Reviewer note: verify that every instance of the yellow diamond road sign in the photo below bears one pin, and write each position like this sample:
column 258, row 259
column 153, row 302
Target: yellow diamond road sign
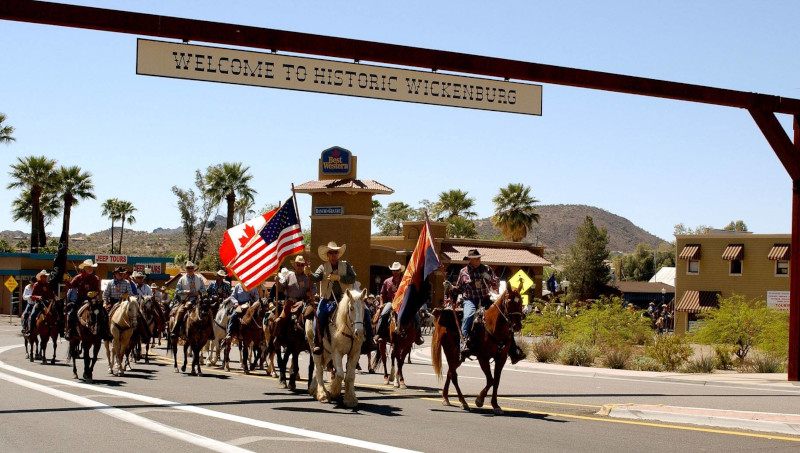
column 11, row 284
column 521, row 277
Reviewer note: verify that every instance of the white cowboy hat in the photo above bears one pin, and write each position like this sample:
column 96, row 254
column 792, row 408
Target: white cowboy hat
column 190, row 265
column 42, row 272
column 221, row 273
column 323, row 250
column 396, row 266
column 153, row 286
column 299, row 259
column 87, row 263
column 137, row 274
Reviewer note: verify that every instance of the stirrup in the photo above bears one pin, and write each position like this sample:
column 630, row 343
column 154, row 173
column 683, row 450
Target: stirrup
column 317, row 350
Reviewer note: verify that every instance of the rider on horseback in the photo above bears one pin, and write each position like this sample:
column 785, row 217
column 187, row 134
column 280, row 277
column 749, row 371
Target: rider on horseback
column 188, row 289
column 335, row 276
column 219, row 289
column 26, row 296
column 118, row 288
column 474, row 282
column 388, row 290
column 82, row 284
column 40, row 291
column 296, row 285
column 240, row 297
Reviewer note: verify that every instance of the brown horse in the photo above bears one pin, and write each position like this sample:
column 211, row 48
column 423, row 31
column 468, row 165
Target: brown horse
column 401, row 338
column 31, row 336
column 198, row 330
column 89, row 336
column 292, row 337
column 150, row 322
column 493, row 339
column 251, row 333
column 47, row 327
column 446, row 337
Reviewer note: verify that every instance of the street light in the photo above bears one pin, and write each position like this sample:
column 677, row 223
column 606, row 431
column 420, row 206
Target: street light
column 565, row 285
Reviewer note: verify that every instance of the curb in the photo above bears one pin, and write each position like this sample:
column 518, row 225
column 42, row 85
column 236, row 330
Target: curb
column 754, row 421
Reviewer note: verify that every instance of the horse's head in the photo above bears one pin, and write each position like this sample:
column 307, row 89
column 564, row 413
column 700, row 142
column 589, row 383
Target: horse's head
column 204, row 308
column 514, row 306
column 353, row 305
column 130, row 310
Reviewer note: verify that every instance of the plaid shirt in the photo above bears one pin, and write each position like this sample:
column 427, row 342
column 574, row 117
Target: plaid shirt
column 472, row 285
column 221, row 290
column 115, row 289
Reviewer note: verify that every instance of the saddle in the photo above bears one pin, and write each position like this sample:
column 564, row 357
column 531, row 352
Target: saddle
column 242, row 308
column 310, row 311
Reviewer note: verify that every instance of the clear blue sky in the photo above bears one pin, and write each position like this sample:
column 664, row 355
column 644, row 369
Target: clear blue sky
column 73, row 95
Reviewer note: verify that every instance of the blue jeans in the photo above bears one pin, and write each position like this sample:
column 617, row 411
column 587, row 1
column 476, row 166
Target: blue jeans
column 233, row 318
column 25, row 313
column 469, row 314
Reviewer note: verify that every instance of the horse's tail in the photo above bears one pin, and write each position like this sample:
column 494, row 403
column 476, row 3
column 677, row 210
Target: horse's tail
column 436, row 351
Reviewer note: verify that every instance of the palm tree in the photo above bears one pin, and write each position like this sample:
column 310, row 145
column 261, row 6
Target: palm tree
column 125, row 211
column 110, row 210
column 33, row 174
column 244, row 209
column 227, row 181
column 514, row 211
column 74, row 185
column 49, row 207
column 456, row 203
column 6, row 131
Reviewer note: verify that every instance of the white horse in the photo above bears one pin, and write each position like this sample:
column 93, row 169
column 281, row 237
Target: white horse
column 220, row 330
column 346, row 329
column 122, row 324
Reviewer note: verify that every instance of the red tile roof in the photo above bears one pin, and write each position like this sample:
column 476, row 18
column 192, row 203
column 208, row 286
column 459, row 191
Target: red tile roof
column 343, row 185
column 644, row 287
column 494, row 255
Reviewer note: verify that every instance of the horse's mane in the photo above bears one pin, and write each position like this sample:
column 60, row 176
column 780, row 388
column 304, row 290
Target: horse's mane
column 251, row 312
column 125, row 306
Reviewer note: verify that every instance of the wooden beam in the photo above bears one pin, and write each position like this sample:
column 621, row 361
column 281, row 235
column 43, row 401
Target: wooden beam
column 786, row 151
column 353, row 49
column 793, row 366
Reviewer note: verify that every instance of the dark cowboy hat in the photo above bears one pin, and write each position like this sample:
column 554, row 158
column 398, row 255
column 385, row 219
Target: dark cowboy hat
column 472, row 254
column 120, row 270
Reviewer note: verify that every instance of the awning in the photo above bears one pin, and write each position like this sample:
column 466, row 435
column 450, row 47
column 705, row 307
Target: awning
column 697, row 301
column 733, row 252
column 780, row 252
column 690, row 252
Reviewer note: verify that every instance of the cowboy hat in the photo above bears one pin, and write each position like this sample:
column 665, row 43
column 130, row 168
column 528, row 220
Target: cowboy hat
column 42, row 272
column 190, row 265
column 221, row 273
column 323, row 250
column 299, row 260
column 153, row 286
column 163, row 288
column 120, row 270
column 87, row 263
column 137, row 274
column 397, row 267
column 472, row 254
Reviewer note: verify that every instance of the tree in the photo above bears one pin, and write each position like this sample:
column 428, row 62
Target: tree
column 208, row 208
column 227, row 181
column 637, row 266
column 244, row 210
column 33, row 174
column 5, row 247
column 125, row 212
column 514, row 211
column 111, row 210
column 73, row 185
column 586, row 267
column 389, row 220
column 744, row 324
column 376, row 207
column 456, row 203
column 459, row 227
column 434, row 210
column 187, row 207
column 737, row 225
column 49, row 207
column 681, row 229
column 6, row 131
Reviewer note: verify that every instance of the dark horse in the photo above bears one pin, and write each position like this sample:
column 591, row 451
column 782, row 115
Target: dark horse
column 251, row 332
column 446, row 337
column 47, row 327
column 292, row 337
column 198, row 330
column 402, row 338
column 89, row 336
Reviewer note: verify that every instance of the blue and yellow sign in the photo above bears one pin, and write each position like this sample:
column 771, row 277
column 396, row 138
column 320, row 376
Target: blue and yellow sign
column 336, row 162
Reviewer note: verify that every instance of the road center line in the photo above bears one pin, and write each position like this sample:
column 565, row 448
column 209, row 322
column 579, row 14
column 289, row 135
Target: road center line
column 208, row 412
column 175, row 433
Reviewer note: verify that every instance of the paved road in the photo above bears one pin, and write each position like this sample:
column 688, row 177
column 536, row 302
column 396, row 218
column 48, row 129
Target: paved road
column 152, row 407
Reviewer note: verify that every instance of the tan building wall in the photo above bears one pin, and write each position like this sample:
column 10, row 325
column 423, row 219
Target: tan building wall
column 757, row 277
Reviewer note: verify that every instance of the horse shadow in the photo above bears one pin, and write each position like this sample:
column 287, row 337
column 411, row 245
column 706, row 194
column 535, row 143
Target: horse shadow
column 488, row 413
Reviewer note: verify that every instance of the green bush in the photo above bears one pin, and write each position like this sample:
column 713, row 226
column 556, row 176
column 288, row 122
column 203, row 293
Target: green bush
column 764, row 363
column 722, row 357
column 617, row 357
column 547, row 323
column 702, row 364
column 607, row 324
column 644, row 363
column 546, row 351
column 578, row 354
column 671, row 351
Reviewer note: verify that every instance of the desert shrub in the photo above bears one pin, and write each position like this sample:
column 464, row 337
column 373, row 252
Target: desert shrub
column 549, row 322
column 578, row 354
column 644, row 363
column 617, row 357
column 702, row 364
column 763, row 363
column 722, row 357
column 546, row 350
column 607, row 324
column 671, row 351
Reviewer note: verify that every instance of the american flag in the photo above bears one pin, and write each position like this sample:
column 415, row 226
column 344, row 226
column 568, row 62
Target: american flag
column 280, row 237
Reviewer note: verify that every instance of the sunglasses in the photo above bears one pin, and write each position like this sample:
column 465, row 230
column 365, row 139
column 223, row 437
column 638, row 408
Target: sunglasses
column 299, row 264
column 333, row 253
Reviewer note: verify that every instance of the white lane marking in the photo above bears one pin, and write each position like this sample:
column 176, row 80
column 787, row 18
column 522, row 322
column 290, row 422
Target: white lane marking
column 175, row 433
column 210, row 413
column 251, row 439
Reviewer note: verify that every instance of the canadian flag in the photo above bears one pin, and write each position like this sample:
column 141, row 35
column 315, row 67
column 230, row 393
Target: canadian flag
column 236, row 238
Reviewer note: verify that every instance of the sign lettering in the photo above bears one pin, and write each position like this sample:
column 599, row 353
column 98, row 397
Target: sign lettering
column 329, row 210
column 111, row 259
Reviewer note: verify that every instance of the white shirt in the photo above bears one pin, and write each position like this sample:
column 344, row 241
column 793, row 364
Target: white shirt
column 27, row 293
column 144, row 290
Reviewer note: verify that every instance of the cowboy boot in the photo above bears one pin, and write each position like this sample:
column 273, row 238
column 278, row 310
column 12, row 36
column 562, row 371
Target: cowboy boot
column 419, row 341
column 515, row 353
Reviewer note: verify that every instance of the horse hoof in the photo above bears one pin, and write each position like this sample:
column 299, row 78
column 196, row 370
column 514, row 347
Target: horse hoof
column 292, row 387
column 193, row 373
column 177, row 371
column 74, row 375
column 479, row 402
column 281, row 385
column 446, row 403
column 465, row 406
column 403, row 385
column 497, row 411
column 385, row 381
column 350, row 402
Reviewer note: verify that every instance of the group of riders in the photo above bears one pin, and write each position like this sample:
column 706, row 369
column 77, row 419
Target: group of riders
column 316, row 293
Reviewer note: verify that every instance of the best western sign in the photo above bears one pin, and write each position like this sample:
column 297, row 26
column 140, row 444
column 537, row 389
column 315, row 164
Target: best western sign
column 214, row 64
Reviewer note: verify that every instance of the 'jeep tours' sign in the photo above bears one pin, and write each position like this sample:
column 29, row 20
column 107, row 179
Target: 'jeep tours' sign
column 215, row 64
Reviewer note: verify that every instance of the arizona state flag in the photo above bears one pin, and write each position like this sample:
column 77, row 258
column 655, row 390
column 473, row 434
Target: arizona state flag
column 413, row 290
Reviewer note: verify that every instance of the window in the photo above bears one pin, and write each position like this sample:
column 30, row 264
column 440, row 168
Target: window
column 736, row 267
column 781, row 267
column 693, row 267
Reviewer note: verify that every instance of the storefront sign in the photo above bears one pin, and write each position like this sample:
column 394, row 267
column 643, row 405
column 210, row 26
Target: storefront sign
column 215, row 64
column 111, row 259
column 336, row 161
column 329, row 210
column 155, row 268
column 778, row 300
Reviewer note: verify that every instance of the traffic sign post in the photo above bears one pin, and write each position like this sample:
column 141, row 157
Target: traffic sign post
column 11, row 284
column 521, row 277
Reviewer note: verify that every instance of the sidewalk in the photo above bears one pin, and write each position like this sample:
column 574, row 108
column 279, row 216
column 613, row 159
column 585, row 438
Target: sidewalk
column 9, row 320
